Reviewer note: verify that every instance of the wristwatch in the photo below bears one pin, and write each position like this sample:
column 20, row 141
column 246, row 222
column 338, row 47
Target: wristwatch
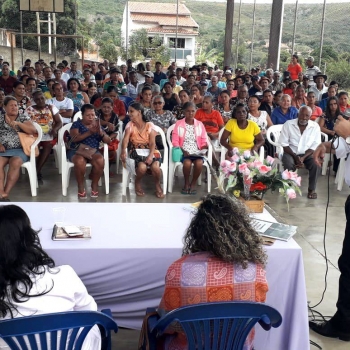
column 347, row 140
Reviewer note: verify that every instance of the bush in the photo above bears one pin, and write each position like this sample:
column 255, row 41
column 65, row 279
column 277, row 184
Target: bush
column 338, row 71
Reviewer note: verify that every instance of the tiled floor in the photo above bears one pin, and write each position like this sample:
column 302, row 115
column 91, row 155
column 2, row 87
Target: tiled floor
column 308, row 215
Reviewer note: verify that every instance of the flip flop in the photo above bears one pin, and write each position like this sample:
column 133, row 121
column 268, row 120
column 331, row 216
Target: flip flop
column 82, row 195
column 159, row 194
column 192, row 192
column 4, row 199
column 312, row 195
column 184, row 191
column 140, row 193
column 94, row 194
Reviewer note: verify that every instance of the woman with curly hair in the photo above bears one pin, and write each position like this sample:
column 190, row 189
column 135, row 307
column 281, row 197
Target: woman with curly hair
column 30, row 283
column 223, row 260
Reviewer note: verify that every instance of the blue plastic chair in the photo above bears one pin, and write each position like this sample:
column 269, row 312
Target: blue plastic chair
column 127, row 101
column 63, row 324
column 216, row 326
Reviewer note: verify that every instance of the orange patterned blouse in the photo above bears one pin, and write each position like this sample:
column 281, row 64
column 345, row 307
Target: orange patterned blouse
column 200, row 278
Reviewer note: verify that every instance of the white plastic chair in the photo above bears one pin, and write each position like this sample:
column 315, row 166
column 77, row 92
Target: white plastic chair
column 67, row 165
column 275, row 130
column 173, row 166
column 339, row 179
column 57, row 154
column 119, row 149
column 163, row 165
column 327, row 155
column 31, row 164
column 77, row 116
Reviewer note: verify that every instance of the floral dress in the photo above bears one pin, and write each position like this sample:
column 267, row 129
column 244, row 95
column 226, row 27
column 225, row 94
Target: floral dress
column 78, row 100
column 190, row 144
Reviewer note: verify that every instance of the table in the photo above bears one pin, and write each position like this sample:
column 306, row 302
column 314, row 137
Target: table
column 124, row 264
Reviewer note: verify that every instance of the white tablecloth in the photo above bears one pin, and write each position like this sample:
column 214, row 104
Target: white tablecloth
column 124, row 264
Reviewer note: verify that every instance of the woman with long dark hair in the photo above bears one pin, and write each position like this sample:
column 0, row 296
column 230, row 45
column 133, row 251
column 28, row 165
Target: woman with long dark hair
column 30, row 283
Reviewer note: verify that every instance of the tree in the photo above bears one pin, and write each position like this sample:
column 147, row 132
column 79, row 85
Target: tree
column 335, row 71
column 10, row 19
column 109, row 51
column 328, row 53
column 141, row 46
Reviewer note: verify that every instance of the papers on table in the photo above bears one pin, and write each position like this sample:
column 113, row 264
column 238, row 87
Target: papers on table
column 274, row 230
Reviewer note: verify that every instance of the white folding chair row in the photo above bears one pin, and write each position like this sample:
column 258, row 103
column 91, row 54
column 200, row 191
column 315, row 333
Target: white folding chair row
column 327, row 157
column 67, row 165
column 77, row 116
column 275, row 130
column 173, row 166
column 57, row 154
column 163, row 165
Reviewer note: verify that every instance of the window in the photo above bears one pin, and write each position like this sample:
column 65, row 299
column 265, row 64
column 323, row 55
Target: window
column 180, row 43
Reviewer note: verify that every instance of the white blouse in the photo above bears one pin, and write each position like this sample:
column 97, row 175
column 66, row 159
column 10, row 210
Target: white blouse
column 261, row 120
column 66, row 293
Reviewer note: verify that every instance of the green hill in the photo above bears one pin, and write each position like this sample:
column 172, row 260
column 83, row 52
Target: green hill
column 211, row 19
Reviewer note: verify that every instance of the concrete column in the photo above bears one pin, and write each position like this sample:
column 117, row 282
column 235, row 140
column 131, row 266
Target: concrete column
column 276, row 26
column 228, row 33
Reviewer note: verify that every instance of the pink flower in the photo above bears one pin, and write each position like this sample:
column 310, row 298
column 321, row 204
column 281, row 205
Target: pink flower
column 232, row 167
column 242, row 167
column 297, row 180
column 291, row 193
column 257, row 164
column 247, row 154
column 269, row 160
column 246, row 172
column 293, row 175
column 235, row 150
column 225, row 164
column 264, row 169
column 235, row 158
column 286, row 175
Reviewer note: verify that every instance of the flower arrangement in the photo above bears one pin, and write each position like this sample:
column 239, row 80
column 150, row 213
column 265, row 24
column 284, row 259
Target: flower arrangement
column 246, row 173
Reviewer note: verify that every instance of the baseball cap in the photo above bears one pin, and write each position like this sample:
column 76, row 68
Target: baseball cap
column 264, row 78
column 310, row 58
column 255, row 78
column 149, row 74
column 114, row 70
column 203, row 83
column 1, row 57
column 228, row 72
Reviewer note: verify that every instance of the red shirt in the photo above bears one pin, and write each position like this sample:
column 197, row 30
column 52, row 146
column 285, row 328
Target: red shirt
column 118, row 106
column 7, row 84
column 212, row 121
column 294, row 70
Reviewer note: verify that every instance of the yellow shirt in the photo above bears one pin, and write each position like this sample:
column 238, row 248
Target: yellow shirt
column 243, row 139
column 177, row 89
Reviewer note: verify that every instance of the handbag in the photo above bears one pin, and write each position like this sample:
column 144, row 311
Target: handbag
column 26, row 143
column 85, row 151
column 177, row 154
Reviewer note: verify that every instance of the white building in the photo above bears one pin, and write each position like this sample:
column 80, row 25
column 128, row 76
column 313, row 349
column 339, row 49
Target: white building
column 160, row 19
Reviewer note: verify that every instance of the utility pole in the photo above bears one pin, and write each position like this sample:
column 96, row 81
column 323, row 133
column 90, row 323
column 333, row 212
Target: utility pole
column 229, row 32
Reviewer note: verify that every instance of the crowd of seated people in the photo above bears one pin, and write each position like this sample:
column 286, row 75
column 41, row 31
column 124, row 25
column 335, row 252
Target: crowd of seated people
column 262, row 98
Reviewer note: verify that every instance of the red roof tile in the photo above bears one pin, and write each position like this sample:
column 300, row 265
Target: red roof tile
column 165, row 20
column 157, row 8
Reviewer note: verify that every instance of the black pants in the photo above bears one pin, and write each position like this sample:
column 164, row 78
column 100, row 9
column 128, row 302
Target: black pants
column 341, row 319
column 314, row 170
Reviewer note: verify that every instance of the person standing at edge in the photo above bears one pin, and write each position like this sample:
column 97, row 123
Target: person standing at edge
column 339, row 325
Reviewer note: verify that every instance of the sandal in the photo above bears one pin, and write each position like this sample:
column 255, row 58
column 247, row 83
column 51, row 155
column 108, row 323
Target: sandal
column 192, row 192
column 82, row 195
column 4, row 199
column 312, row 195
column 140, row 193
column 159, row 194
column 184, row 191
column 94, row 194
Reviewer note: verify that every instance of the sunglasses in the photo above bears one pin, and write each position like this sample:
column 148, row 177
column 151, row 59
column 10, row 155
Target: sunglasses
column 157, row 103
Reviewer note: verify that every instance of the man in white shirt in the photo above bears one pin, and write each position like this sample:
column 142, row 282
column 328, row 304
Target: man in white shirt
column 311, row 70
column 64, row 105
column 319, row 88
column 299, row 138
column 339, row 325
